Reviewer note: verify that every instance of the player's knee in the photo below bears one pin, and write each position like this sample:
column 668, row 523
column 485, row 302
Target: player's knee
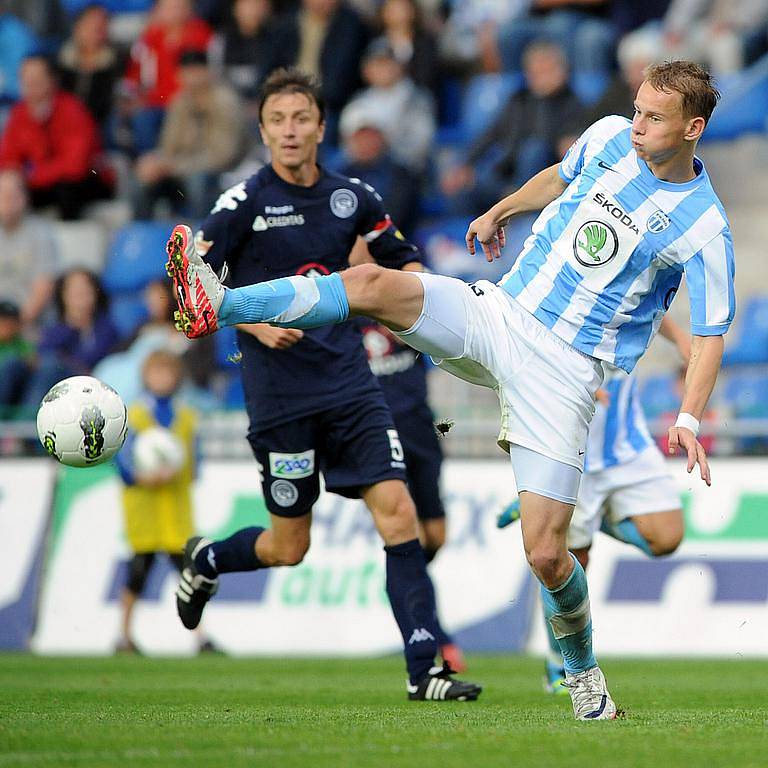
column 291, row 553
column 549, row 564
column 363, row 284
column 396, row 520
column 665, row 542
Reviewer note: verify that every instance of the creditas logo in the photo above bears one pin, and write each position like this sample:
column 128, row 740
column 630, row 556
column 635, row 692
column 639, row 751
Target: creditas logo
column 595, row 244
column 262, row 223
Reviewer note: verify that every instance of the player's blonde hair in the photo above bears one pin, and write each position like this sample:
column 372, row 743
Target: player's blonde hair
column 694, row 84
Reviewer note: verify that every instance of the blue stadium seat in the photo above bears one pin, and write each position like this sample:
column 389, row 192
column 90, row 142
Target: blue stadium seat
column 234, row 398
column 225, row 342
column 744, row 106
column 136, row 256
column 589, row 86
column 746, row 392
column 483, row 97
column 73, row 7
column 751, row 345
column 658, row 395
column 127, row 311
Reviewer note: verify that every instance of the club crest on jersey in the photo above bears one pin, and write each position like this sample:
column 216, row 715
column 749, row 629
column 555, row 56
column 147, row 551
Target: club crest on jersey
column 343, row 203
column 657, row 222
column 595, row 244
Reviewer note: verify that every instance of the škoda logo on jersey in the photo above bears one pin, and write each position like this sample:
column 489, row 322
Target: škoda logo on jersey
column 595, row 244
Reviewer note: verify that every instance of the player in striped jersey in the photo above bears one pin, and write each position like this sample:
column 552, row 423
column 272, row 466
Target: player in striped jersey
column 627, row 212
column 627, row 490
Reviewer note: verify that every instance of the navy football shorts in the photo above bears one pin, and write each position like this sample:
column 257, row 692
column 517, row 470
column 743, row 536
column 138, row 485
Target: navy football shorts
column 354, row 446
column 423, row 459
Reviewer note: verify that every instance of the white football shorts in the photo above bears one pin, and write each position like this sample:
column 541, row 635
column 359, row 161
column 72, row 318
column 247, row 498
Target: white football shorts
column 640, row 486
column 546, row 387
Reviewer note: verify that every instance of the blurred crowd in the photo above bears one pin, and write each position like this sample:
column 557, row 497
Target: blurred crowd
column 442, row 105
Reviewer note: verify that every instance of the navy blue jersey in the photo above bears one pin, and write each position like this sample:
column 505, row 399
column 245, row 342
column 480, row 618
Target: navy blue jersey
column 401, row 371
column 266, row 228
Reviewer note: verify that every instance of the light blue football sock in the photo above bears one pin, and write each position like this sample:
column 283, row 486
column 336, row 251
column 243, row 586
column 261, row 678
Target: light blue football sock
column 288, row 302
column 566, row 608
column 626, row 531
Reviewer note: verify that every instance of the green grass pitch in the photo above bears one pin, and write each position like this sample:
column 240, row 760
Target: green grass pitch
column 216, row 711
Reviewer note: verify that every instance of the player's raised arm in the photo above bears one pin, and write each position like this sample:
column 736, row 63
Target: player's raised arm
column 535, row 194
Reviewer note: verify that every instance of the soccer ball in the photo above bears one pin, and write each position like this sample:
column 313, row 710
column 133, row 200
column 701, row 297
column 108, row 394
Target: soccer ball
column 157, row 448
column 82, row 421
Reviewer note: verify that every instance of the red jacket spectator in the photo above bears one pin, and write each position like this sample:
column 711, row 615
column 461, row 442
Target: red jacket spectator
column 153, row 66
column 64, row 147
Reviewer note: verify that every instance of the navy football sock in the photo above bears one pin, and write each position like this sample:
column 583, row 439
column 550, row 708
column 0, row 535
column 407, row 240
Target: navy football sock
column 442, row 637
column 413, row 603
column 237, row 553
column 288, row 302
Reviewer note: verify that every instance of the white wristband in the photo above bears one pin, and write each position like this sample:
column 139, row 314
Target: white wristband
column 687, row 421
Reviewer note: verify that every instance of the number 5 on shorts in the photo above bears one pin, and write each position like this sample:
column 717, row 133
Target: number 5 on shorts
column 395, row 445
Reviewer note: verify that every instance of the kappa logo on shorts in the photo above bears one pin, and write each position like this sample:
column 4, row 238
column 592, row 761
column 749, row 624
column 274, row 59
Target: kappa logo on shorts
column 595, row 244
column 284, row 493
column 292, row 465
column 343, row 203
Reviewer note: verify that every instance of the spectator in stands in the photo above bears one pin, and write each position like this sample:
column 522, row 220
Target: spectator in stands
column 413, row 44
column 469, row 41
column 634, row 56
column 368, row 157
column 580, row 27
column 29, row 258
column 251, row 44
column 202, row 136
column 718, row 33
column 327, row 39
column 522, row 140
column 53, row 140
column 152, row 76
column 89, row 65
column 81, row 335
column 17, row 41
column 46, row 18
column 16, row 356
column 406, row 111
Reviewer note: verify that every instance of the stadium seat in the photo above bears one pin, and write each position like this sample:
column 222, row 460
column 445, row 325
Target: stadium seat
column 127, row 311
column 751, row 344
column 81, row 244
column 744, row 106
column 589, row 86
column 225, row 347
column 658, row 395
column 73, row 7
column 746, row 393
column 483, row 97
column 136, row 256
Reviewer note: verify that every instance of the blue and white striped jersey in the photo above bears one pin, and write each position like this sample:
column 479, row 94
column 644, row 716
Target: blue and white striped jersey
column 605, row 259
column 618, row 431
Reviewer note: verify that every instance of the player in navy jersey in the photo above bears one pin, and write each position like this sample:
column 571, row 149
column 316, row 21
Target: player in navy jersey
column 402, row 374
column 313, row 404
column 626, row 213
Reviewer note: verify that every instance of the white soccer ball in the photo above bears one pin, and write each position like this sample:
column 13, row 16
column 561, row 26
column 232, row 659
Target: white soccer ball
column 157, row 448
column 82, row 421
